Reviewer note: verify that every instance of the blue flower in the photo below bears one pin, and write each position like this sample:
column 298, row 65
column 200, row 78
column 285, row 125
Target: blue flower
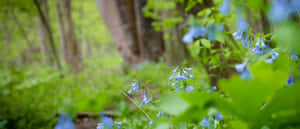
column 180, row 74
column 273, row 58
column 174, row 70
column 260, row 47
column 294, row 57
column 100, row 126
column 199, row 31
column 194, row 32
column 295, row 5
column 238, row 35
column 189, row 69
column 205, row 122
column 279, row 11
column 65, row 122
column 119, row 125
column 275, row 55
column 245, row 40
column 178, row 88
column 242, row 25
column 246, row 75
column 145, row 100
column 134, row 87
column 269, row 61
column 241, row 67
column 151, row 123
column 174, row 84
column 214, row 87
column 188, row 39
column 158, row 114
column 250, row 43
column 219, row 116
column 189, row 89
column 107, row 121
column 225, row 7
column 167, row 115
column 290, row 81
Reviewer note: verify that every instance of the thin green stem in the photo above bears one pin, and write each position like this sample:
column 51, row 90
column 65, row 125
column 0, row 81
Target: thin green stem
column 130, row 99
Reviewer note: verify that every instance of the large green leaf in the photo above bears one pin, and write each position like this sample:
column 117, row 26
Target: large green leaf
column 247, row 97
column 173, row 104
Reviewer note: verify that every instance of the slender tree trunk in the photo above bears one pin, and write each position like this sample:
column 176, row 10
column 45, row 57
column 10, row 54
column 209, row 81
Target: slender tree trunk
column 62, row 32
column 46, row 24
column 21, row 28
column 132, row 32
column 73, row 53
column 44, row 42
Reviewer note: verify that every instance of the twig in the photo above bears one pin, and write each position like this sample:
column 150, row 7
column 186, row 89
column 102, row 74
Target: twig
column 130, row 99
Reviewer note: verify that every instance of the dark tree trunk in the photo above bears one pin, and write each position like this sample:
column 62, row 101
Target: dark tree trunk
column 73, row 53
column 46, row 24
column 151, row 43
column 44, row 41
column 132, row 32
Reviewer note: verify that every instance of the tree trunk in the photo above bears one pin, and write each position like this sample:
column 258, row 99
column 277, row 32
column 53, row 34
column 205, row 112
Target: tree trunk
column 73, row 53
column 115, row 16
column 44, row 42
column 151, row 43
column 132, row 32
column 176, row 51
column 21, row 28
column 59, row 17
column 46, row 24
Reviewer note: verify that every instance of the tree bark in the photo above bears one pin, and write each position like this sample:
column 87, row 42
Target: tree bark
column 49, row 32
column 44, row 41
column 73, row 53
column 132, row 32
column 151, row 43
column 59, row 17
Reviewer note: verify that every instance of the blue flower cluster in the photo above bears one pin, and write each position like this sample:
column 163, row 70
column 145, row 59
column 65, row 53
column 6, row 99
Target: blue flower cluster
column 107, row 123
column 291, row 80
column 194, row 32
column 201, row 31
column 225, row 7
column 242, row 26
column 274, row 57
column 183, row 75
column 294, row 56
column 65, row 122
column 260, row 47
column 134, row 87
column 206, row 122
column 145, row 100
column 242, row 68
column 159, row 114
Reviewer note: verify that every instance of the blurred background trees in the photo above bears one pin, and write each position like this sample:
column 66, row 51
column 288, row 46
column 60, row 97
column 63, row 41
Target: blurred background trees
column 77, row 56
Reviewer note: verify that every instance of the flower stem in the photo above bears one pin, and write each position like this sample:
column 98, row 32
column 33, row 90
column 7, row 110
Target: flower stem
column 130, row 99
